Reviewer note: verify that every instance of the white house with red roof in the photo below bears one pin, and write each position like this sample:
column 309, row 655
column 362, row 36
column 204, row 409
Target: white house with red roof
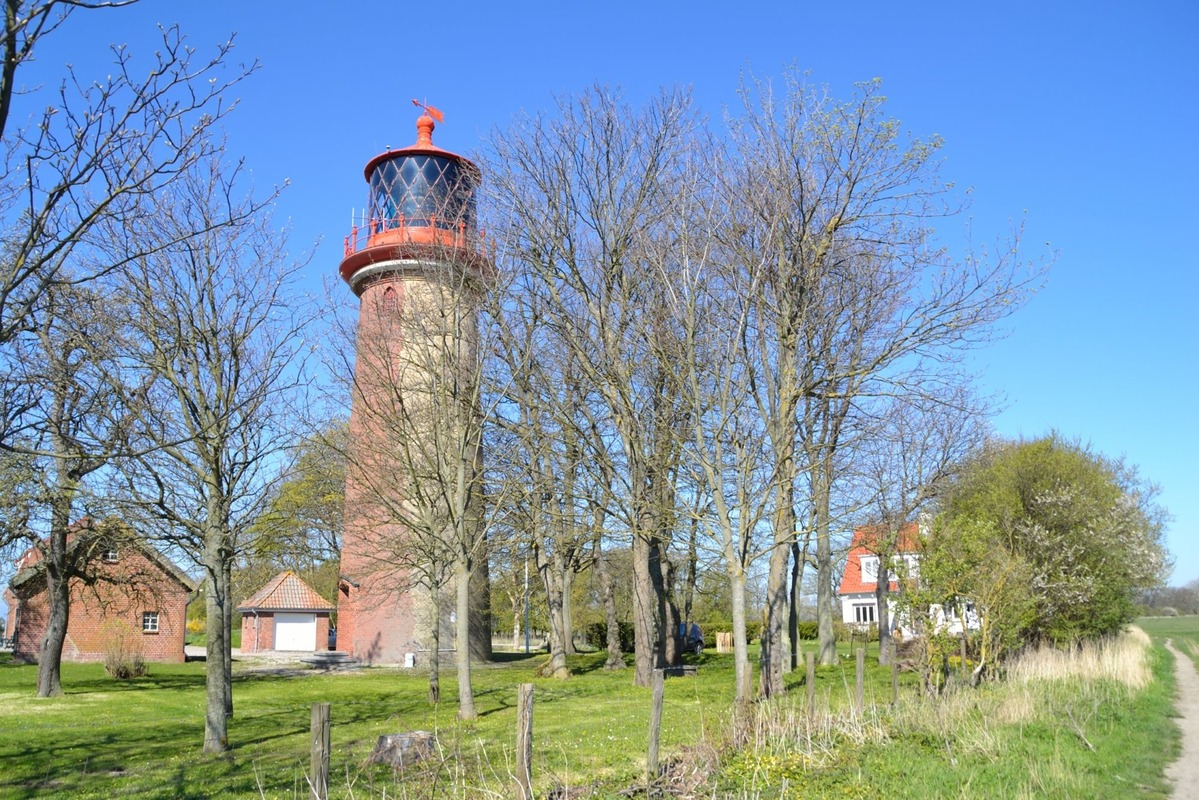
column 859, row 606
column 285, row 615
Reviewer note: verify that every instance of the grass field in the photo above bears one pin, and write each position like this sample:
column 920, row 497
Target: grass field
column 1093, row 737
column 1183, row 630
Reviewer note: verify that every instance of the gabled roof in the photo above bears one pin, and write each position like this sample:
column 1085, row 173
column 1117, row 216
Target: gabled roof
column 29, row 565
column 286, row 592
column 868, row 541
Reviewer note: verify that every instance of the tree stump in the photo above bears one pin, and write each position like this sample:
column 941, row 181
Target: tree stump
column 403, row 749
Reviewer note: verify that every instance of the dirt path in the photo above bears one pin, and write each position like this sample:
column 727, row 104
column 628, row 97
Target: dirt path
column 1184, row 773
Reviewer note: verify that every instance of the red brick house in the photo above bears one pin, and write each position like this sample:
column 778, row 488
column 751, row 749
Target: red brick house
column 129, row 591
column 285, row 615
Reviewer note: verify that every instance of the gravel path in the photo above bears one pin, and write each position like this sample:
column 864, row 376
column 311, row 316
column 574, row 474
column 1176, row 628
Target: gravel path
column 1184, row 773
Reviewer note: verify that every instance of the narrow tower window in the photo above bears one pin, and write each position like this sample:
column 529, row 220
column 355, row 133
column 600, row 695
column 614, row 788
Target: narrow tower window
column 391, row 301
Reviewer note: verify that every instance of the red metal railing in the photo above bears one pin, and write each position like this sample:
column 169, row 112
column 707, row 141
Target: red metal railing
column 415, row 230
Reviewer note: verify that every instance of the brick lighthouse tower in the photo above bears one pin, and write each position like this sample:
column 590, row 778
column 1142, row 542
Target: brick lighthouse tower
column 416, row 263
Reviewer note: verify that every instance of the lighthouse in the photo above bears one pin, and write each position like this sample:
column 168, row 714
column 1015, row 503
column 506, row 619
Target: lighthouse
column 411, row 543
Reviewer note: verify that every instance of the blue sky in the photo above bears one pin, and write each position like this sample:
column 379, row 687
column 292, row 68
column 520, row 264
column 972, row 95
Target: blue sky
column 1078, row 119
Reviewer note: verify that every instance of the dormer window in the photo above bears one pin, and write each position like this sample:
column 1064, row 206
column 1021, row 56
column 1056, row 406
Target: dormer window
column 869, row 569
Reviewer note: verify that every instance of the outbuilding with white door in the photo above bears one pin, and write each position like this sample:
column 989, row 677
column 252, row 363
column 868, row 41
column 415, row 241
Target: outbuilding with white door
column 285, row 615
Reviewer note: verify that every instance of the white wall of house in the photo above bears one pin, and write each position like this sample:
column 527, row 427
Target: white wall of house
column 859, row 609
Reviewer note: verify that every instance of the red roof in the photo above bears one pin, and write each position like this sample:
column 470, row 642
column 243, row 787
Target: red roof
column 866, row 542
column 27, row 564
column 286, row 592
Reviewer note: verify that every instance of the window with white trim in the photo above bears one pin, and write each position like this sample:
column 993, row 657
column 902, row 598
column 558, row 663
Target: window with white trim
column 149, row 622
column 863, row 613
column 109, row 555
column 869, row 569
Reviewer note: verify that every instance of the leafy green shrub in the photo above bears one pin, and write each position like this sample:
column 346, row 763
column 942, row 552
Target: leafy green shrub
column 809, row 630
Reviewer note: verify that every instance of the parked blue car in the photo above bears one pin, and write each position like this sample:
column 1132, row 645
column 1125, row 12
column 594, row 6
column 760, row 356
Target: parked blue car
column 693, row 642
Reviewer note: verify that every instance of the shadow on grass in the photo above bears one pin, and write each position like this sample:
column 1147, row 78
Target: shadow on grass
column 512, row 658
column 142, row 684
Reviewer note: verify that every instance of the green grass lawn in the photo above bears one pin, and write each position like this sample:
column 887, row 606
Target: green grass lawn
column 142, row 738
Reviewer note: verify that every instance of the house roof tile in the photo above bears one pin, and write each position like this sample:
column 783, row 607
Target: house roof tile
column 286, row 591
column 29, row 564
column 868, row 541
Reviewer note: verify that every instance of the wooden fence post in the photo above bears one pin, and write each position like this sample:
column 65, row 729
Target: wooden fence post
column 861, row 681
column 963, row 668
column 811, row 679
column 894, row 682
column 655, row 727
column 524, row 741
column 318, row 775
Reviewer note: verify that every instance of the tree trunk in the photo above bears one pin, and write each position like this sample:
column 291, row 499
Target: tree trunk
column 435, row 648
column 227, row 650
column 743, row 672
column 58, row 591
column 647, row 622
column 552, row 570
column 799, row 556
column 568, row 628
column 49, row 664
column 615, row 658
column 690, row 578
column 56, row 561
column 517, row 612
column 882, row 591
column 672, row 643
column 466, row 695
column 774, row 649
column 216, row 715
column 824, row 572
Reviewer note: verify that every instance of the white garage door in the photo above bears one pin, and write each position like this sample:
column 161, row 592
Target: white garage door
column 295, row 632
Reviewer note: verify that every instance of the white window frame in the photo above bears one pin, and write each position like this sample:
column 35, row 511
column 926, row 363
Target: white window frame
column 110, row 555
column 869, row 569
column 865, row 614
column 150, row 622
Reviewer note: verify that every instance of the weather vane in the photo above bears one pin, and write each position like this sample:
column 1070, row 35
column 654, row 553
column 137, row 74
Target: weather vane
column 430, row 110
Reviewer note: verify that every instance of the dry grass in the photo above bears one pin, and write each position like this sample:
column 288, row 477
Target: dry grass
column 1122, row 658
column 1067, row 685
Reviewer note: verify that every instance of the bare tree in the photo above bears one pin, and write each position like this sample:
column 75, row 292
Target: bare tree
column 559, row 464
column 910, row 452
column 88, row 165
column 582, row 191
column 218, row 332
column 713, row 306
column 833, row 207
column 96, row 153
column 66, row 423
